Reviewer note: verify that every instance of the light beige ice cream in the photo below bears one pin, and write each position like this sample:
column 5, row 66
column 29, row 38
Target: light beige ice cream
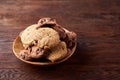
column 41, row 37
column 58, row 52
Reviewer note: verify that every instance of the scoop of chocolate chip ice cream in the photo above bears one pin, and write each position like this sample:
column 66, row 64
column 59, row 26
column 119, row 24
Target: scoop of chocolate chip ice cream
column 46, row 39
column 41, row 37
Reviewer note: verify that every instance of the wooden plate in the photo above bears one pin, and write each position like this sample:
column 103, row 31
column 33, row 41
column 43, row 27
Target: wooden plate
column 17, row 47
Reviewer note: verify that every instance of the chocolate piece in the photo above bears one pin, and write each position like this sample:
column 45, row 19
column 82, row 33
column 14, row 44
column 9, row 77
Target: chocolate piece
column 46, row 22
column 72, row 36
column 61, row 32
column 37, row 52
column 33, row 52
column 70, row 39
column 25, row 54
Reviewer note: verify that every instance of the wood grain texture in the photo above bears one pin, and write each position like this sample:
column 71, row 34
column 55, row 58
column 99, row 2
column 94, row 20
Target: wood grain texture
column 96, row 22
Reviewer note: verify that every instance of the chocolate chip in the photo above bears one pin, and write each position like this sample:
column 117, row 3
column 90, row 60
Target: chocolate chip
column 37, row 52
column 42, row 21
column 24, row 54
column 46, row 22
column 36, row 41
column 48, row 25
column 61, row 32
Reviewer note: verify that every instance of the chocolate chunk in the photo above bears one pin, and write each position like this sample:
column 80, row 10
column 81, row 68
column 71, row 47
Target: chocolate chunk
column 35, row 42
column 37, row 52
column 24, row 54
column 71, row 36
column 61, row 32
column 70, row 39
column 33, row 53
column 46, row 22
column 48, row 25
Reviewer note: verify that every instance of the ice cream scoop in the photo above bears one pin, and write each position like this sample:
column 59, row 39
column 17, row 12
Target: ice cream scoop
column 41, row 37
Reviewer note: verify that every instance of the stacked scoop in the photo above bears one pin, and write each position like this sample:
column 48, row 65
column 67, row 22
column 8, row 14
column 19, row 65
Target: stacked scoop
column 46, row 41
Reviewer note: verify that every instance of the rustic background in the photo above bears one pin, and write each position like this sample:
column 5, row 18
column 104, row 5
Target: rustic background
column 96, row 22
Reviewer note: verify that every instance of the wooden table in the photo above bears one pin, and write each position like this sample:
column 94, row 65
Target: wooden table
column 96, row 22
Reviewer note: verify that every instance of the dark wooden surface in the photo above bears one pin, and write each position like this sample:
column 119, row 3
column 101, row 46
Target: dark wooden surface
column 96, row 22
